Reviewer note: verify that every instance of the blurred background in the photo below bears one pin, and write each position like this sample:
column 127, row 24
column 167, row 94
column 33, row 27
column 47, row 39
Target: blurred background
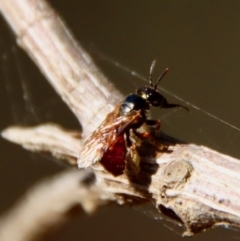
column 198, row 41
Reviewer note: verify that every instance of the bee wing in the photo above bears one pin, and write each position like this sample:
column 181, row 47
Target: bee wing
column 104, row 136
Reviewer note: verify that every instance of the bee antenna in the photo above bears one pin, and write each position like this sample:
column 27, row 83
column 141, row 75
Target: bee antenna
column 151, row 71
column 161, row 76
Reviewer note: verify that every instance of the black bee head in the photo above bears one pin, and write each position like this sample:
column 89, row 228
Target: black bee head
column 151, row 95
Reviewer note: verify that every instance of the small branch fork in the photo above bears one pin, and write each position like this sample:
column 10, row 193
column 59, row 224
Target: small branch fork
column 200, row 186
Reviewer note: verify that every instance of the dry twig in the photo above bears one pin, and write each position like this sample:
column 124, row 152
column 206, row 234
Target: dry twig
column 194, row 185
column 27, row 221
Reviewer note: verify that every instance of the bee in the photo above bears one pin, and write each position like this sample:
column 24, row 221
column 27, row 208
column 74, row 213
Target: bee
column 112, row 143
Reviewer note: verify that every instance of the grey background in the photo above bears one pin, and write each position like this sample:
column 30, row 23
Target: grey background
column 199, row 41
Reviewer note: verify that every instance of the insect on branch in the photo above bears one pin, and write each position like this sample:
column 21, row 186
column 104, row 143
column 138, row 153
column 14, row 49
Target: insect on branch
column 197, row 184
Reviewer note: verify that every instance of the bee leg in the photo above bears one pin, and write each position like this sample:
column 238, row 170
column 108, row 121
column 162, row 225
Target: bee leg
column 154, row 125
column 149, row 130
column 133, row 159
column 132, row 156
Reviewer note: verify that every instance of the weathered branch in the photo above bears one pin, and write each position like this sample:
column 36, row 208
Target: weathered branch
column 46, row 205
column 200, row 185
column 196, row 186
column 66, row 65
